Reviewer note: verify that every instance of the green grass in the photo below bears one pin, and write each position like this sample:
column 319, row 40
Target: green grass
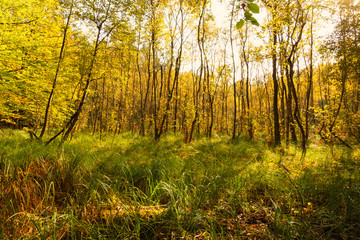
column 130, row 187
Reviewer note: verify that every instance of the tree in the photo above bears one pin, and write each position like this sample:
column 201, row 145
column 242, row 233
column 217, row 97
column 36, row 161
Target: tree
column 272, row 6
column 102, row 14
column 343, row 44
column 27, row 46
column 199, row 77
column 61, row 54
column 294, row 23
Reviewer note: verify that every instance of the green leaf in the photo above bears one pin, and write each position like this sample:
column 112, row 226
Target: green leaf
column 253, row 7
column 240, row 24
column 256, row 23
column 253, row 21
column 247, row 15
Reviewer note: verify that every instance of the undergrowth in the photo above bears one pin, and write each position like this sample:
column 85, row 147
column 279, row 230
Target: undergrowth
column 130, row 187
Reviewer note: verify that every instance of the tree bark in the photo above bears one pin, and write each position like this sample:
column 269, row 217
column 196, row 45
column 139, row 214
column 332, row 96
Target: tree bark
column 277, row 139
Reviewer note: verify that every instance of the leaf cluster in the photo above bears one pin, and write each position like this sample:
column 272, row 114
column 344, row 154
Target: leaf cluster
column 249, row 7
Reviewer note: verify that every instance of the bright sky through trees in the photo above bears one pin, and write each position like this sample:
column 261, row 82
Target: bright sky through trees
column 220, row 11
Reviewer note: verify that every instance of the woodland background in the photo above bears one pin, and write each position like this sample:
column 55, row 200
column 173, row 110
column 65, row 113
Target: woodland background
column 160, row 66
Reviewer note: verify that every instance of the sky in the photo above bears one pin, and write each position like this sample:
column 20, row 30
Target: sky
column 220, row 10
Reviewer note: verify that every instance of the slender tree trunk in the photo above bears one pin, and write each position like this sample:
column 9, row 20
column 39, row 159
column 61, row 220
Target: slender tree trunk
column 310, row 86
column 52, row 92
column 234, row 70
column 142, row 100
column 176, row 107
column 276, row 92
column 200, row 38
column 247, row 92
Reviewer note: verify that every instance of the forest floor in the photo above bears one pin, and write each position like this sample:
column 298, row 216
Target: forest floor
column 130, row 187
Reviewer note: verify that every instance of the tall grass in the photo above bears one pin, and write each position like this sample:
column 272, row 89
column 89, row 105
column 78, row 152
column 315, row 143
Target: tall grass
column 129, row 187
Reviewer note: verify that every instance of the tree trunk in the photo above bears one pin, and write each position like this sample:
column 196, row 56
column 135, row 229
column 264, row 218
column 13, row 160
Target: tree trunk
column 276, row 92
column 47, row 109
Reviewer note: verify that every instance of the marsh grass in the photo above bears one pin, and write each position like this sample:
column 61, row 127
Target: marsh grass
column 130, row 187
